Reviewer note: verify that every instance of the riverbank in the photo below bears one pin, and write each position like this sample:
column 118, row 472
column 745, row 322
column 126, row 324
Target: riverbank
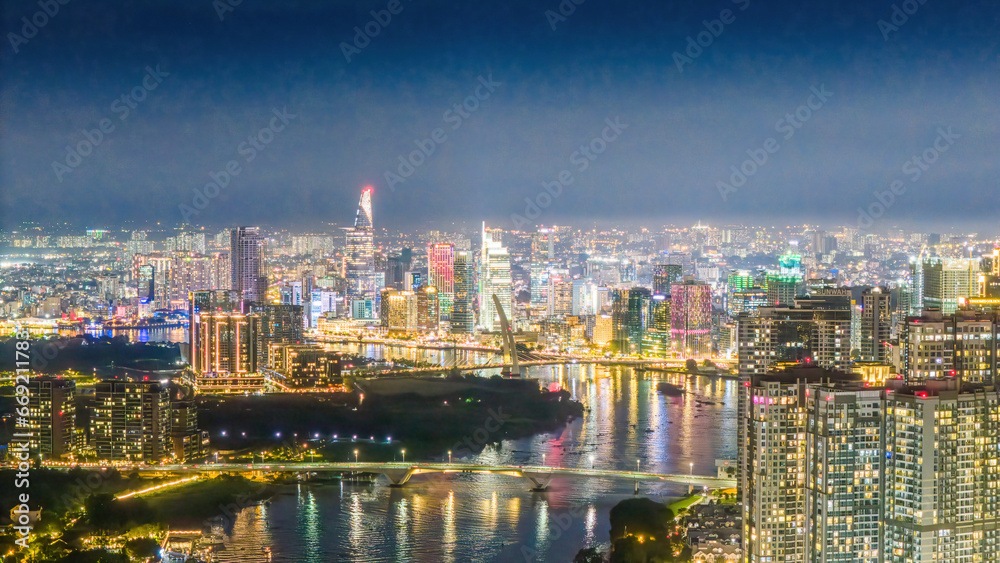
column 462, row 416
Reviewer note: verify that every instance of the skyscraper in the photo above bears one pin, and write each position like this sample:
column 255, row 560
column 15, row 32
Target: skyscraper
column 810, row 467
column 876, row 324
column 131, row 421
column 691, row 318
column 246, row 256
column 494, row 279
column 225, row 343
column 664, row 276
column 463, row 315
column 963, row 344
column 946, row 281
column 360, row 251
column 542, row 254
column 428, row 308
column 51, row 416
column 942, row 467
column 441, row 275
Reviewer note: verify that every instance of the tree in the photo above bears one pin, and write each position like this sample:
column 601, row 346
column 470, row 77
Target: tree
column 141, row 548
column 589, row 555
column 692, row 366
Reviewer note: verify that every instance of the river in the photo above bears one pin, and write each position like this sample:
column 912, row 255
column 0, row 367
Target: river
column 457, row 518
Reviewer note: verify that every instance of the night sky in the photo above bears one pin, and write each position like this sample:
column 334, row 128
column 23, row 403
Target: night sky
column 895, row 89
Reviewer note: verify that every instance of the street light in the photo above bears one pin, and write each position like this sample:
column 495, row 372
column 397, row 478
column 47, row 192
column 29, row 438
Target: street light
column 691, row 469
column 636, row 466
column 355, row 456
column 591, row 461
column 449, row 456
column 404, row 456
column 543, row 460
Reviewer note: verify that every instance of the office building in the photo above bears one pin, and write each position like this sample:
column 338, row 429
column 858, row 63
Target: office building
column 666, row 275
column 360, row 252
column 399, row 310
column 428, row 308
column 494, row 279
column 248, row 270
column 441, row 275
column 463, row 314
column 691, row 318
column 560, row 296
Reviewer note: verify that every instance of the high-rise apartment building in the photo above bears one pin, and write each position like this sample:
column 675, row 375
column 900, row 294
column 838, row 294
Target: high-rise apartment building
column 947, row 281
column 876, row 324
column 51, row 416
column 225, row 343
column 962, row 344
column 942, row 473
column 810, row 467
column 131, row 421
column 815, row 330
column 248, row 271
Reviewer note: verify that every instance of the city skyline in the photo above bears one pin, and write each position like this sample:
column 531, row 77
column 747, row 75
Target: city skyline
column 533, row 280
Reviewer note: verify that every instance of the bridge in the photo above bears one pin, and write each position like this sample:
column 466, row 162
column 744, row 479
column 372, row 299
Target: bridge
column 508, row 356
column 399, row 473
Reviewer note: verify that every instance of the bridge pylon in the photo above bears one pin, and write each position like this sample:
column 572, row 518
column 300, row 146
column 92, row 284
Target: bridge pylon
column 507, row 337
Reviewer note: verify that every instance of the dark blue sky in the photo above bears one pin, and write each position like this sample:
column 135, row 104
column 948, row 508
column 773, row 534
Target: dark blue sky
column 557, row 87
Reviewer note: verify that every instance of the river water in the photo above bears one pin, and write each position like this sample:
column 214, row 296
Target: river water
column 457, row 518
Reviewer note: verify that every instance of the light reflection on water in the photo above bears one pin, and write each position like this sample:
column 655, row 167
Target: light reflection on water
column 464, row 517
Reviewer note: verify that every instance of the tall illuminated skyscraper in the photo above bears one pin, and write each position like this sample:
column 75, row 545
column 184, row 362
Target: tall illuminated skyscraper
column 441, row 275
column 463, row 315
column 360, row 252
column 691, row 318
column 542, row 253
column 246, row 255
column 494, row 279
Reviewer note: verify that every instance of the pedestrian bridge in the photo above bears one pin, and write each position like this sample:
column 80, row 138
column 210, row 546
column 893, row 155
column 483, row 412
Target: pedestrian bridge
column 399, row 473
